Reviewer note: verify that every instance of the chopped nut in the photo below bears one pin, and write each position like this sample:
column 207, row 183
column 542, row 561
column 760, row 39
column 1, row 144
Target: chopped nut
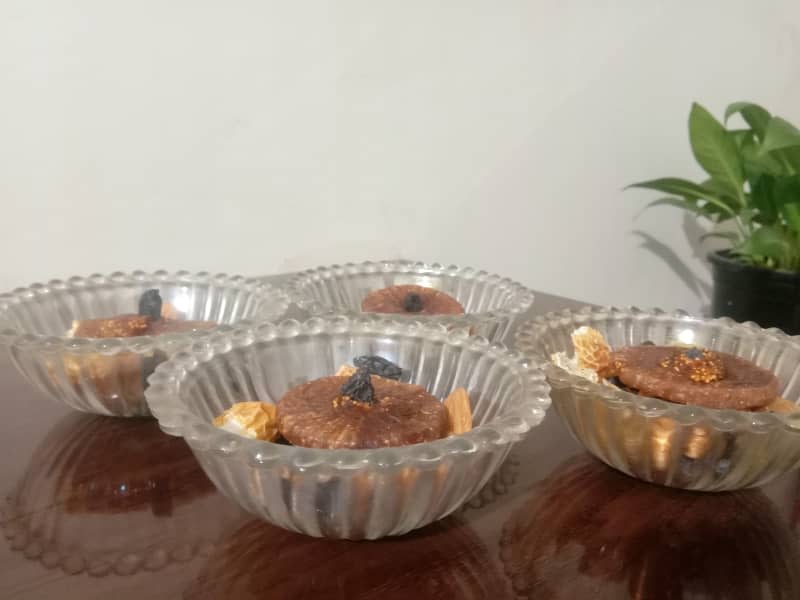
column 591, row 349
column 781, row 405
column 459, row 411
column 169, row 311
column 346, row 371
column 121, row 326
column 256, row 420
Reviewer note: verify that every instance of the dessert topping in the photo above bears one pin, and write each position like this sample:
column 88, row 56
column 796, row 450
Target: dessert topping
column 377, row 365
column 412, row 302
column 459, row 411
column 359, row 387
column 150, row 304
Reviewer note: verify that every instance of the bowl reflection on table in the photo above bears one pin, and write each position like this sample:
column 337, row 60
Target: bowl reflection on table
column 106, row 495
column 589, row 531
column 443, row 560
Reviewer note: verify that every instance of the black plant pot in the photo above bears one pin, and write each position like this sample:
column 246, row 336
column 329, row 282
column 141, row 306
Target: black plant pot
column 746, row 293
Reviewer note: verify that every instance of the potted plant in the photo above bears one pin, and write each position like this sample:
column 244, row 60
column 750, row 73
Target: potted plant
column 752, row 199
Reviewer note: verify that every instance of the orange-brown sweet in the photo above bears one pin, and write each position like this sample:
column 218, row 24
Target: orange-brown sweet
column 134, row 325
column 411, row 300
column 317, row 414
column 694, row 376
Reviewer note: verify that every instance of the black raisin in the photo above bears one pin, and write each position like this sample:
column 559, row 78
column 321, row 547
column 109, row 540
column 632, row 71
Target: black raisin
column 359, row 387
column 648, row 343
column 150, row 304
column 379, row 366
column 412, row 302
column 694, row 353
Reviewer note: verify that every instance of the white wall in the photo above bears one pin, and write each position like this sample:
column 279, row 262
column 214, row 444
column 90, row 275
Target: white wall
column 256, row 137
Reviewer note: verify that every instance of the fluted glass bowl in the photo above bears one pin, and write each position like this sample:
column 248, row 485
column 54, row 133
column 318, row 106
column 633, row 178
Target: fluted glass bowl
column 108, row 376
column 491, row 303
column 350, row 494
column 671, row 444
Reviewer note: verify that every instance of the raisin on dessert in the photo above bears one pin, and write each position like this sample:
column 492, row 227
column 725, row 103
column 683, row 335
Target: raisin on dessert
column 411, row 300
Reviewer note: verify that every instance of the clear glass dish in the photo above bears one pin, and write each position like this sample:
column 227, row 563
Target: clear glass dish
column 351, row 494
column 491, row 303
column 671, row 444
column 108, row 376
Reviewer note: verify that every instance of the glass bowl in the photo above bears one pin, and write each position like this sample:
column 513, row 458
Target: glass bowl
column 351, row 494
column 671, row 444
column 491, row 303
column 108, row 376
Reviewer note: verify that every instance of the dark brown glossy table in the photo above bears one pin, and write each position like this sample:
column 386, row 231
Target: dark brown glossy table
column 102, row 508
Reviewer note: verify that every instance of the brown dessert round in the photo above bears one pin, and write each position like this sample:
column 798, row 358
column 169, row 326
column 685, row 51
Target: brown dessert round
column 694, row 376
column 135, row 325
column 411, row 299
column 317, row 414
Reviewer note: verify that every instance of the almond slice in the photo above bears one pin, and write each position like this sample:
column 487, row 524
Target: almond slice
column 346, row 371
column 459, row 411
column 255, row 420
column 780, row 405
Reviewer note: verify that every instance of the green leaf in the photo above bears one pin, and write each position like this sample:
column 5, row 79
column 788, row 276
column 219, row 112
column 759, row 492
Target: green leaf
column 790, row 157
column 731, row 236
column 791, row 212
column 769, row 242
column 715, row 150
column 778, row 135
column 754, row 115
column 762, row 197
column 673, row 185
column 676, row 202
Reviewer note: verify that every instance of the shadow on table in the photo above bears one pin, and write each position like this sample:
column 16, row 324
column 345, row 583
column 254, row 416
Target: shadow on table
column 588, row 531
column 106, row 495
column 443, row 560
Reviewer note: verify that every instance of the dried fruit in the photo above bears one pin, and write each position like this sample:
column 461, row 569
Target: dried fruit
column 459, row 411
column 150, row 304
column 359, row 386
column 255, row 420
column 377, row 365
column 591, row 349
column 412, row 302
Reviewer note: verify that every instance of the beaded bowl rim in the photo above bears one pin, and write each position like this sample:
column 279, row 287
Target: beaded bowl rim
column 175, row 418
column 522, row 298
column 528, row 334
column 14, row 336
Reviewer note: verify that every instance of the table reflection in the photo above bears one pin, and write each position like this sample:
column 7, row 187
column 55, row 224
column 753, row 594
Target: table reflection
column 107, row 495
column 443, row 560
column 588, row 531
